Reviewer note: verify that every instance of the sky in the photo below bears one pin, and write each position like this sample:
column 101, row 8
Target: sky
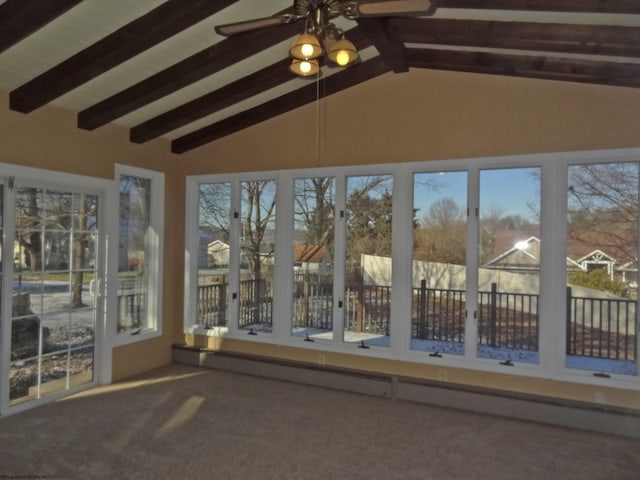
column 511, row 190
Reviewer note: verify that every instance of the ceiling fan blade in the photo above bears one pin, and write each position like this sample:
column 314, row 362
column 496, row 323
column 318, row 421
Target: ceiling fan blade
column 246, row 26
column 388, row 8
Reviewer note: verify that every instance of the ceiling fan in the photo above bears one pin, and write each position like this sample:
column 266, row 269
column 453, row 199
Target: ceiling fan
column 321, row 11
column 320, row 35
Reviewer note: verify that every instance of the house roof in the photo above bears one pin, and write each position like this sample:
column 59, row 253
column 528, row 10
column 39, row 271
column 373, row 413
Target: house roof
column 309, row 253
column 158, row 68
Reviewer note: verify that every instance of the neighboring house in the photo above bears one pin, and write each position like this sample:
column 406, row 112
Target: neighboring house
column 217, row 253
column 311, row 258
column 524, row 257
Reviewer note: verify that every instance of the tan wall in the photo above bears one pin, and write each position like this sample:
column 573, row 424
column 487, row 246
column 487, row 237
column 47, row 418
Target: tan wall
column 431, row 115
column 422, row 115
column 48, row 138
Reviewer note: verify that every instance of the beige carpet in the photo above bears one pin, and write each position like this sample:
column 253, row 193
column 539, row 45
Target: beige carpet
column 185, row 423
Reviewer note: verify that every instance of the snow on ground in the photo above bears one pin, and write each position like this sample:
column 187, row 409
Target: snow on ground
column 625, row 367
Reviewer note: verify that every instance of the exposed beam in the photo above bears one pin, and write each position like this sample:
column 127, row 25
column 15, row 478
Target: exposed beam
column 392, row 51
column 20, row 18
column 550, row 37
column 333, row 84
column 226, row 96
column 192, row 69
column 549, row 68
column 234, row 92
column 585, row 6
column 159, row 24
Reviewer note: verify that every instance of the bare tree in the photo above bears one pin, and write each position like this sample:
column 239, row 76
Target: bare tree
column 442, row 236
column 603, row 207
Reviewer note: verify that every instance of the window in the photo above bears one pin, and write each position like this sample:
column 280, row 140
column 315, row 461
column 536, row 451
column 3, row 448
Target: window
column 509, row 269
column 480, row 266
column 439, row 278
column 602, row 268
column 313, row 257
column 138, row 285
column 257, row 255
column 214, row 247
column 367, row 298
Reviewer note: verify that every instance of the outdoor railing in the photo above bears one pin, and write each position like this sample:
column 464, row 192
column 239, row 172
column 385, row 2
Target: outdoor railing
column 508, row 319
column 596, row 327
column 601, row 327
column 438, row 314
column 255, row 303
column 131, row 302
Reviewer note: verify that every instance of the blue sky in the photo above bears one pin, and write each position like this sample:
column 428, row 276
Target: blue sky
column 511, row 190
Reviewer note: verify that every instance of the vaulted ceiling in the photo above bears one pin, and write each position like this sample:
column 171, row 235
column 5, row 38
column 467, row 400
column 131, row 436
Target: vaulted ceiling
column 158, row 68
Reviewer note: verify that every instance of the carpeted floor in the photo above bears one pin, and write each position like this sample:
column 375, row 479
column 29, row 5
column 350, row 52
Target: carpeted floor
column 182, row 423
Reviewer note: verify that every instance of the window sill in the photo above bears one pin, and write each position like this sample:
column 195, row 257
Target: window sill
column 134, row 336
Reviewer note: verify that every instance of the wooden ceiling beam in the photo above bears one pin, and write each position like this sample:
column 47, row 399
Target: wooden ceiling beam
column 549, row 68
column 20, row 18
column 196, row 67
column 242, row 89
column 234, row 92
column 392, row 51
column 549, row 37
column 583, row 6
column 349, row 77
column 143, row 33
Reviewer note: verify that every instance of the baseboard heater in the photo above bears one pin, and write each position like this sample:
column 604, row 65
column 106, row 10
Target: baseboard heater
column 581, row 415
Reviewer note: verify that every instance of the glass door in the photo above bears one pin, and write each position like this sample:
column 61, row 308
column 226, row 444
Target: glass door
column 54, row 311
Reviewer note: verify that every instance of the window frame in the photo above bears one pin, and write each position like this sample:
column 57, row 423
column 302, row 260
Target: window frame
column 156, row 252
column 51, row 179
column 553, row 191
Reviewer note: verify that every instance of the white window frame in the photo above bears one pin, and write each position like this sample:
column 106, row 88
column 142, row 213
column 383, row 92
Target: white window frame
column 102, row 345
column 156, row 252
column 552, row 274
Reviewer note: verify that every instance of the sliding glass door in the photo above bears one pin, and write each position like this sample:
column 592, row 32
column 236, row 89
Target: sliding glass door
column 53, row 237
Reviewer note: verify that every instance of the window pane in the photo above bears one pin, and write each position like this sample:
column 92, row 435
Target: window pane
column 313, row 253
column 257, row 234
column 602, row 267
column 367, row 302
column 214, row 207
column 439, row 262
column 509, row 264
column 133, row 253
column 53, row 299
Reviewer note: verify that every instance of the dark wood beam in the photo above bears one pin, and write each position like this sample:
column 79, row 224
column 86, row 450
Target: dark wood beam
column 340, row 81
column 141, row 34
column 20, row 18
column 226, row 96
column 550, row 37
column 392, row 51
column 585, row 6
column 196, row 67
column 549, row 68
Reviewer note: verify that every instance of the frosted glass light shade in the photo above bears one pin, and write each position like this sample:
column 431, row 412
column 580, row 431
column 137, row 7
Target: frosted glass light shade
column 304, row 68
column 306, row 47
column 343, row 52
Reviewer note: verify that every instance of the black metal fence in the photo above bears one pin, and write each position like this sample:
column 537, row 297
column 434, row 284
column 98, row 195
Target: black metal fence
column 508, row 319
column 596, row 327
column 601, row 327
column 438, row 314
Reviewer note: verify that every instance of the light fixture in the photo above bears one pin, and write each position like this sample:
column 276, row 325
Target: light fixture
column 343, row 52
column 308, row 47
column 305, row 68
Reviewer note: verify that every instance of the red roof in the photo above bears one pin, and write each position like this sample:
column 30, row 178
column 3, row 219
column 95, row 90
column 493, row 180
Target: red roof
column 309, row 253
